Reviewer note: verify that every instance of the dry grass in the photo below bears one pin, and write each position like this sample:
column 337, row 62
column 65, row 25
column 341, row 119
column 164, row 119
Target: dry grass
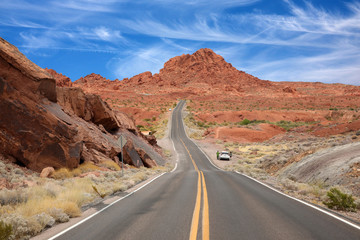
column 30, row 209
column 62, row 173
column 110, row 165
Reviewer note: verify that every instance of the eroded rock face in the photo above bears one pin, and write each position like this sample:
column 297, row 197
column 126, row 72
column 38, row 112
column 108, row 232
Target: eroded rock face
column 89, row 107
column 42, row 125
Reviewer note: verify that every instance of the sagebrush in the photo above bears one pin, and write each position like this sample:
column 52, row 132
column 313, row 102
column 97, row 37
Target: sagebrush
column 340, row 201
column 5, row 231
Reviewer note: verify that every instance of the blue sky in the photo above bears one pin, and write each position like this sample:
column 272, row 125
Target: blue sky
column 278, row 40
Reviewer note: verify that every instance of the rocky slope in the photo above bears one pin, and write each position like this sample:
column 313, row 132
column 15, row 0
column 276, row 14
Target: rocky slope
column 48, row 123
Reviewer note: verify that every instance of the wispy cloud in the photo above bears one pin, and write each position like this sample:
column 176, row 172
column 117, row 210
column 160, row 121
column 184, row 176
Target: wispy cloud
column 151, row 59
column 302, row 42
column 87, row 5
column 22, row 24
column 207, row 3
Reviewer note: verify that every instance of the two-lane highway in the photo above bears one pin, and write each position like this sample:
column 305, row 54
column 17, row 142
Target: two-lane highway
column 199, row 201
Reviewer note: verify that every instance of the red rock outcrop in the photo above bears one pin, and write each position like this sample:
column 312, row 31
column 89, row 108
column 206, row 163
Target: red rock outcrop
column 61, row 80
column 89, row 107
column 42, row 125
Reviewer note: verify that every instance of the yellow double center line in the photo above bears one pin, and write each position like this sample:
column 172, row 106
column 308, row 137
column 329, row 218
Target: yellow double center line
column 205, row 208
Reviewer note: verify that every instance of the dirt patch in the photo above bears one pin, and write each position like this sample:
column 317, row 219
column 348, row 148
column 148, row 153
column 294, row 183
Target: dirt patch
column 258, row 133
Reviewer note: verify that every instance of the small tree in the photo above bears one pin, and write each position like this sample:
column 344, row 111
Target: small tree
column 340, row 201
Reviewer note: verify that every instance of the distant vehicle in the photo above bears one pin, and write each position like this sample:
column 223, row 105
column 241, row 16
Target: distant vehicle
column 224, row 155
column 169, row 109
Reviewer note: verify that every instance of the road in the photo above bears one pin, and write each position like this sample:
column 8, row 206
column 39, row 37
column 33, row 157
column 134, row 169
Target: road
column 199, row 201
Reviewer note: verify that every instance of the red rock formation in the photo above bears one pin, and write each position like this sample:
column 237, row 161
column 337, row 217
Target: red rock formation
column 42, row 125
column 289, row 90
column 61, row 80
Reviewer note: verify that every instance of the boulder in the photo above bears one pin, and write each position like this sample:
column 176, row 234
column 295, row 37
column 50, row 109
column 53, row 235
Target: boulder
column 46, row 172
column 146, row 159
column 131, row 156
column 90, row 107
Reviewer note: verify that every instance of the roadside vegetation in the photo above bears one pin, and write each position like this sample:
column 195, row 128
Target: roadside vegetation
column 34, row 204
column 340, row 201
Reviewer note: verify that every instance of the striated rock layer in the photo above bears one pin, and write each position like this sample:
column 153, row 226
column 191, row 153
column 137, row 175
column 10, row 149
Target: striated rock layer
column 44, row 123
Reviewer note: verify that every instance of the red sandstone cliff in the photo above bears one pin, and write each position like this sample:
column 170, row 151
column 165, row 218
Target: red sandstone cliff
column 44, row 125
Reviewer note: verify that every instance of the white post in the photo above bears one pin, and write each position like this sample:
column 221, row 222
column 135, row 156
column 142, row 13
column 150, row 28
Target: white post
column 122, row 158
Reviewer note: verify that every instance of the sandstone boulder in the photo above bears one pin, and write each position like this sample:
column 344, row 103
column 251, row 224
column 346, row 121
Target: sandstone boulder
column 46, row 172
column 90, row 107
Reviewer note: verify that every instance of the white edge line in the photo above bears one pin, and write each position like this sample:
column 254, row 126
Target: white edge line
column 207, row 156
column 94, row 214
column 198, row 145
column 303, row 202
column 177, row 155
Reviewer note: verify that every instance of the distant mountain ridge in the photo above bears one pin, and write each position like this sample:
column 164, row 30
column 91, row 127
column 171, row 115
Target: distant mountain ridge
column 203, row 70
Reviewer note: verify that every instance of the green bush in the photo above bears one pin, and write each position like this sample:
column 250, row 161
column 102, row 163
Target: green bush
column 5, row 231
column 245, row 122
column 340, row 201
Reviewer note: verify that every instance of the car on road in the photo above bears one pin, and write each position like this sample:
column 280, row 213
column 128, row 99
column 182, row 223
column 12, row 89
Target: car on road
column 224, row 155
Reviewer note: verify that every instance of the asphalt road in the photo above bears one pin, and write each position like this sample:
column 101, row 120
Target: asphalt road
column 199, row 201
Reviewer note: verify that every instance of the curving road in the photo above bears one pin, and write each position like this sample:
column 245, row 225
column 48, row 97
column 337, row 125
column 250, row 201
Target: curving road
column 199, row 201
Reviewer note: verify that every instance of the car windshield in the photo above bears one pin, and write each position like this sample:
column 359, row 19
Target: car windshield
column 225, row 152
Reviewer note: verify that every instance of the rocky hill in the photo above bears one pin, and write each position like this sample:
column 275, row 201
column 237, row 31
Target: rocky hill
column 47, row 123
column 202, row 72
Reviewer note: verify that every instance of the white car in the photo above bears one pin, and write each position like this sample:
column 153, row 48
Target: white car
column 224, row 155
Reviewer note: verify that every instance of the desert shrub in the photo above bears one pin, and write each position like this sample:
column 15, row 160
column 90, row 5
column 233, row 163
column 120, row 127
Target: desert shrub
column 245, row 122
column 5, row 231
column 340, row 201
column 12, row 196
column 44, row 219
column 110, row 165
column 58, row 214
column 70, row 208
column 88, row 167
column 61, row 173
column 22, row 228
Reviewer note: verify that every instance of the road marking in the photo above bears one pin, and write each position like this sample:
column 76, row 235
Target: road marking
column 196, row 214
column 207, row 157
column 303, row 202
column 199, row 147
column 205, row 206
column 205, row 216
column 94, row 214
column 192, row 160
